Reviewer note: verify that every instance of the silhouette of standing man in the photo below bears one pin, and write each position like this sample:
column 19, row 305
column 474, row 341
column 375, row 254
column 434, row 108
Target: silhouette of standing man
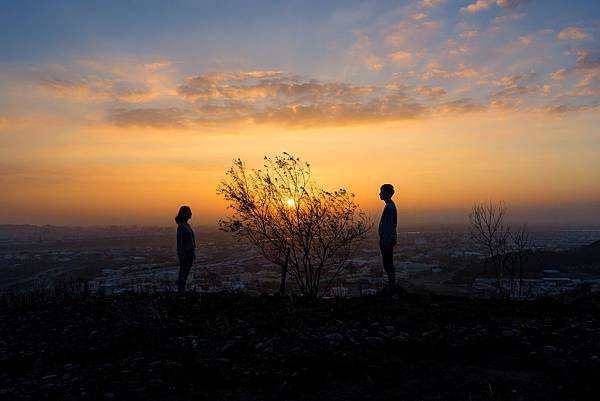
column 186, row 246
column 387, row 232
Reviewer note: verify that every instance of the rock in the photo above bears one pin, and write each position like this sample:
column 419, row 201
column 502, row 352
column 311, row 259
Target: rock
column 374, row 340
column 48, row 386
column 401, row 338
column 226, row 347
column 334, row 337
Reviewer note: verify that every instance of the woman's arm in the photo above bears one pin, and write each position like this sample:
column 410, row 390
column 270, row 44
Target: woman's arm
column 179, row 240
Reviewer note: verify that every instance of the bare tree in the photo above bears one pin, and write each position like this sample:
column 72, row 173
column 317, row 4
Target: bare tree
column 520, row 246
column 488, row 230
column 308, row 232
column 506, row 250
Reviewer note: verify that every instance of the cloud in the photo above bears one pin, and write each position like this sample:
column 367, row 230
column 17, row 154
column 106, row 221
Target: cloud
column 587, row 59
column 502, row 19
column 149, row 117
column 432, row 92
column 433, row 70
column 96, row 90
column 13, row 123
column 388, row 108
column 568, row 108
column 510, row 97
column 419, row 16
column 432, row 3
column 511, row 3
column 293, row 101
column 460, row 106
column 401, row 56
column 515, row 88
column 411, row 33
column 469, row 34
column 524, row 40
column 156, row 66
column 586, row 70
column 559, row 75
column 261, row 89
column 480, row 5
column 362, row 51
column 589, row 85
column 520, row 78
column 572, row 33
column 477, row 6
column 586, row 62
column 454, row 49
column 288, row 101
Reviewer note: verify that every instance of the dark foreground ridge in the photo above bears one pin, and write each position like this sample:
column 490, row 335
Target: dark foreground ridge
column 235, row 347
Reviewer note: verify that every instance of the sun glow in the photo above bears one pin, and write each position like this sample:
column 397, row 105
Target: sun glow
column 290, row 202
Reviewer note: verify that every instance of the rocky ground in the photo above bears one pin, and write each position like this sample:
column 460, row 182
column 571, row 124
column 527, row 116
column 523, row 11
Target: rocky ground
column 78, row 346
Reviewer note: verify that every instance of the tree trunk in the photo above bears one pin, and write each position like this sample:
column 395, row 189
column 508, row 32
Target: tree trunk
column 284, row 270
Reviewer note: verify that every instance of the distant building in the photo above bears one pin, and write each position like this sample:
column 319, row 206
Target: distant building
column 339, row 292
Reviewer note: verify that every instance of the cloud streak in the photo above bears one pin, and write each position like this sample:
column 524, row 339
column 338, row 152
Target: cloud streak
column 96, row 90
column 280, row 99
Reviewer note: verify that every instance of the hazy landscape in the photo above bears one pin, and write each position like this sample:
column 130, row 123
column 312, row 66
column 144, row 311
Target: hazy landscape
column 440, row 260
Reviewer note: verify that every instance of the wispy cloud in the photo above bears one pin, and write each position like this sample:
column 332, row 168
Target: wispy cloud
column 469, row 34
column 13, row 123
column 150, row 117
column 362, row 50
column 432, row 92
column 434, row 70
column 573, row 33
column 432, row 3
column 480, row 5
column 97, row 90
column 273, row 97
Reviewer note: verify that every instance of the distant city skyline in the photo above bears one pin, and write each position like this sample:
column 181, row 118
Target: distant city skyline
column 118, row 112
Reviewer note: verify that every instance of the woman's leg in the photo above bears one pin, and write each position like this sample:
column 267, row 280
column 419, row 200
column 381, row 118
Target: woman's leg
column 184, row 269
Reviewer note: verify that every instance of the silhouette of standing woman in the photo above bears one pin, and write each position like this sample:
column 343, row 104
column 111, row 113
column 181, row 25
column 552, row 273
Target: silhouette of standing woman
column 186, row 246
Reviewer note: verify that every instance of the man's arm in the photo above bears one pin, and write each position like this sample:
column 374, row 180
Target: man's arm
column 388, row 226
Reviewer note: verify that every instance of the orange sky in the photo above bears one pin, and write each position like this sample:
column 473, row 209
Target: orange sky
column 440, row 166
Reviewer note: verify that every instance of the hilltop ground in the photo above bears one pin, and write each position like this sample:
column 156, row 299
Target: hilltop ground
column 235, row 347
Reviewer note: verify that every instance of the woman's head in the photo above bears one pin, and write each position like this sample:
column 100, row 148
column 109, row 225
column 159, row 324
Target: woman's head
column 184, row 214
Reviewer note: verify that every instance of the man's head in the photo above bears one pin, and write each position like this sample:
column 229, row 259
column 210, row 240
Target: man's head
column 386, row 192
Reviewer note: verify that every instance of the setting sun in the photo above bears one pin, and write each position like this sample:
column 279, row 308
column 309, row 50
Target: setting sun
column 290, row 202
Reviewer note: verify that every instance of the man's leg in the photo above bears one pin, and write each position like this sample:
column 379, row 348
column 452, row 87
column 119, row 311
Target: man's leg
column 390, row 267
column 387, row 256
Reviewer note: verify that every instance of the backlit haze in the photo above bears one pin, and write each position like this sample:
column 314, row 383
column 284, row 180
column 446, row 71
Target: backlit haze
column 118, row 112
